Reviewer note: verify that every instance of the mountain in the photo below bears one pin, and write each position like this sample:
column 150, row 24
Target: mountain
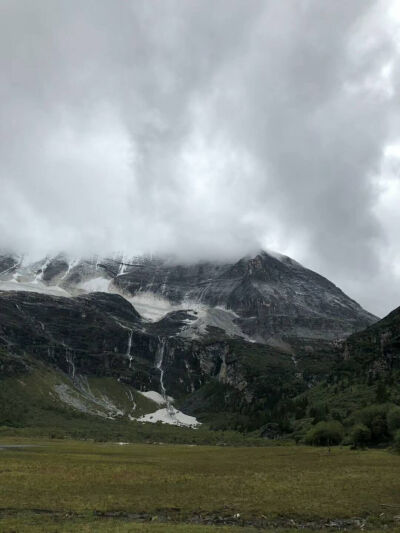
column 268, row 298
column 376, row 350
column 146, row 339
column 361, row 389
column 101, row 336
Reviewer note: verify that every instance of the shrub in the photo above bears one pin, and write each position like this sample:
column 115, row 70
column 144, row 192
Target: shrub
column 393, row 419
column 367, row 414
column 360, row 435
column 379, row 429
column 318, row 412
column 336, row 415
column 382, row 394
column 396, row 442
column 325, row 434
column 374, row 417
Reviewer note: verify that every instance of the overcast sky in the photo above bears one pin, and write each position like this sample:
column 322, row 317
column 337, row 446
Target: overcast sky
column 208, row 129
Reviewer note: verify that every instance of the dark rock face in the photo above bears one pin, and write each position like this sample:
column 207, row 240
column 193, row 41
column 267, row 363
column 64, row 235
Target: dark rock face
column 102, row 335
column 53, row 269
column 377, row 348
column 53, row 327
column 8, row 263
column 271, row 329
column 273, row 297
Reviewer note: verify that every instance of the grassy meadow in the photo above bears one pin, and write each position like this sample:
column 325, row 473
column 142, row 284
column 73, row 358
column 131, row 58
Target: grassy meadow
column 85, row 486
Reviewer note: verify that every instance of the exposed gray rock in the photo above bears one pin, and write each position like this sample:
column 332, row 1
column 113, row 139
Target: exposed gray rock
column 235, row 337
column 270, row 297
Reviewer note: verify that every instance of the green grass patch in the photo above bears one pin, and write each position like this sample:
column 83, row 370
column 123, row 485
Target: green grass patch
column 176, row 483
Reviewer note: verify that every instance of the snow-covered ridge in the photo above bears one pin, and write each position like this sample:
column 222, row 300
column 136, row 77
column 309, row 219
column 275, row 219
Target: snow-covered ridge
column 60, row 276
column 33, row 286
column 247, row 298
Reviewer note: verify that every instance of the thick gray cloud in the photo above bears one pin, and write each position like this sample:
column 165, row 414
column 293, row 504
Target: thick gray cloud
column 207, row 129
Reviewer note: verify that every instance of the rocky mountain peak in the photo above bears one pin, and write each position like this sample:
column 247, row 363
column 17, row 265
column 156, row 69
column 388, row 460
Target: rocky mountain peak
column 269, row 296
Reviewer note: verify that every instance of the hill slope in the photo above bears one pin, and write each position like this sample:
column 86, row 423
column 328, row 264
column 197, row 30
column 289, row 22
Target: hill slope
column 231, row 346
column 267, row 298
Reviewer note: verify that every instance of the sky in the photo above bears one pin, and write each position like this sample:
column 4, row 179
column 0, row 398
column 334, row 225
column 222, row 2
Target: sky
column 206, row 129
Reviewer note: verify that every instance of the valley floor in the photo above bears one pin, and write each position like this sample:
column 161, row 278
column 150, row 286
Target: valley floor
column 85, row 486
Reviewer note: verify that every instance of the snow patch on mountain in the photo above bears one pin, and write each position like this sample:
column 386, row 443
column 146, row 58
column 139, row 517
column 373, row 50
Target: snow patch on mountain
column 98, row 284
column 33, row 286
column 152, row 306
column 205, row 316
column 170, row 416
column 155, row 397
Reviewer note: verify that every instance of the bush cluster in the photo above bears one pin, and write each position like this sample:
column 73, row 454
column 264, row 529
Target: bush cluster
column 325, row 434
column 376, row 424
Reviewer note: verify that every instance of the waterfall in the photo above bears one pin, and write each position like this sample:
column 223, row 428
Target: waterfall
column 130, row 334
column 70, row 361
column 128, row 351
column 122, row 266
column 40, row 272
column 71, row 265
column 132, row 409
column 159, row 364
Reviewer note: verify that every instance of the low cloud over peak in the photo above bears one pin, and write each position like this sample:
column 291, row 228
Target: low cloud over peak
column 205, row 129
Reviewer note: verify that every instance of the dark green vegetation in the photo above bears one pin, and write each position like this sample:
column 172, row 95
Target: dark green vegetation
column 73, row 368
column 348, row 392
column 261, row 334
column 324, row 393
column 62, row 485
column 362, row 389
column 29, row 406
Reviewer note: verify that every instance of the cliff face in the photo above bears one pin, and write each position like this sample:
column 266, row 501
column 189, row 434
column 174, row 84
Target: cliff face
column 268, row 298
column 218, row 338
column 376, row 350
column 102, row 336
column 272, row 296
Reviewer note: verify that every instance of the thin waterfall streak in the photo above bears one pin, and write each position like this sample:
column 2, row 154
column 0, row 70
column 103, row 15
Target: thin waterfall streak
column 128, row 351
column 159, row 366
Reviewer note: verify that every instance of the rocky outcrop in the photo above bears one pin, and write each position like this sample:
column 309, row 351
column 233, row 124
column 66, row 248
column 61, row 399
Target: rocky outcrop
column 236, row 338
column 86, row 334
column 376, row 350
column 262, row 287
column 271, row 297
column 8, row 263
column 102, row 335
